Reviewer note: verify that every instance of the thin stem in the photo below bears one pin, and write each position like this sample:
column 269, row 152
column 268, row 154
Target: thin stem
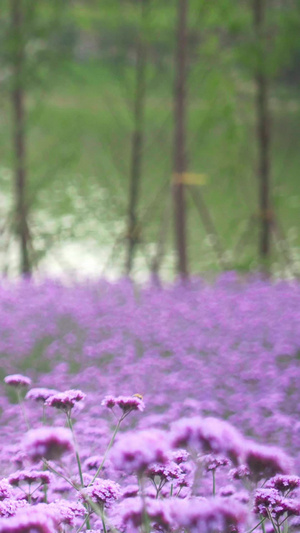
column 23, row 409
column 255, row 527
column 263, row 526
column 77, row 459
column 103, row 522
column 146, row 521
column 76, row 449
column 83, row 523
column 214, row 482
column 59, row 474
column 44, row 414
column 272, row 521
column 107, row 450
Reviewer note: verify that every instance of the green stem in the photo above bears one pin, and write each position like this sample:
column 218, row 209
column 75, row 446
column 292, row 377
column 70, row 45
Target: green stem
column 44, row 415
column 146, row 521
column 23, row 409
column 103, row 522
column 76, row 449
column 83, row 523
column 78, row 460
column 257, row 525
column 59, row 474
column 107, row 450
column 272, row 521
column 214, row 482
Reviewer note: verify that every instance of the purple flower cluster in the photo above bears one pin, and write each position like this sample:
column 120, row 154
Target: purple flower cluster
column 17, row 380
column 135, row 451
column 126, row 403
column 210, row 435
column 29, row 477
column 65, row 400
column 47, row 443
column 40, row 394
column 219, row 367
column 102, row 492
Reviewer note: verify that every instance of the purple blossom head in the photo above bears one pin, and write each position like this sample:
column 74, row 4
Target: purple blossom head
column 266, row 461
column 240, row 472
column 29, row 521
column 10, row 507
column 210, row 434
column 29, row 476
column 66, row 512
column 179, row 456
column 212, row 462
column 207, row 516
column 40, row 394
column 5, row 489
column 168, row 472
column 47, row 443
column 283, row 483
column 227, row 490
column 17, row 380
column 270, row 501
column 126, row 403
column 65, row 400
column 130, row 491
column 135, row 451
column 132, row 514
column 102, row 492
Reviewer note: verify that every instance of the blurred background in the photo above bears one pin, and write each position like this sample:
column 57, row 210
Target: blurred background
column 144, row 137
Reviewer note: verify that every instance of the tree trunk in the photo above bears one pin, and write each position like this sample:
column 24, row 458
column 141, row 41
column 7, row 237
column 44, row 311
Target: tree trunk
column 263, row 136
column 180, row 160
column 19, row 147
column 137, row 142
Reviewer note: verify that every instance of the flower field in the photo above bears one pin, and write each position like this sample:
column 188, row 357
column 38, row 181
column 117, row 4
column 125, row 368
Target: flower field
column 128, row 409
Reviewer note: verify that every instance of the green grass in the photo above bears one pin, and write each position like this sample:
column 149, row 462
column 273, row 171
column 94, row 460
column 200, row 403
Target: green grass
column 79, row 142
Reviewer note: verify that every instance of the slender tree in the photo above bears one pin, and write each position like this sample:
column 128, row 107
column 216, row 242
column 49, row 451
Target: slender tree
column 137, row 139
column 263, row 134
column 180, row 159
column 19, row 140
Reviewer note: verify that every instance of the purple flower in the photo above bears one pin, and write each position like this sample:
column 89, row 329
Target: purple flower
column 48, row 443
column 210, row 434
column 65, row 400
column 66, row 512
column 180, row 456
column 266, row 461
column 40, row 394
column 130, row 491
column 17, row 380
column 212, row 462
column 208, row 516
column 102, row 492
column 270, row 500
column 126, row 403
column 135, row 451
column 226, row 491
column 132, row 513
column 283, row 483
column 32, row 520
column 29, row 476
column 10, row 508
column 240, row 472
column 5, row 489
column 166, row 472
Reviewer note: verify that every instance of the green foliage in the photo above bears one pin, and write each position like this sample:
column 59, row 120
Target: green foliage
column 79, row 78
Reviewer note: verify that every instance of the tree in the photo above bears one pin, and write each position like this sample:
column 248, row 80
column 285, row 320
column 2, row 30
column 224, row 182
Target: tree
column 19, row 140
column 180, row 157
column 137, row 137
column 263, row 133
